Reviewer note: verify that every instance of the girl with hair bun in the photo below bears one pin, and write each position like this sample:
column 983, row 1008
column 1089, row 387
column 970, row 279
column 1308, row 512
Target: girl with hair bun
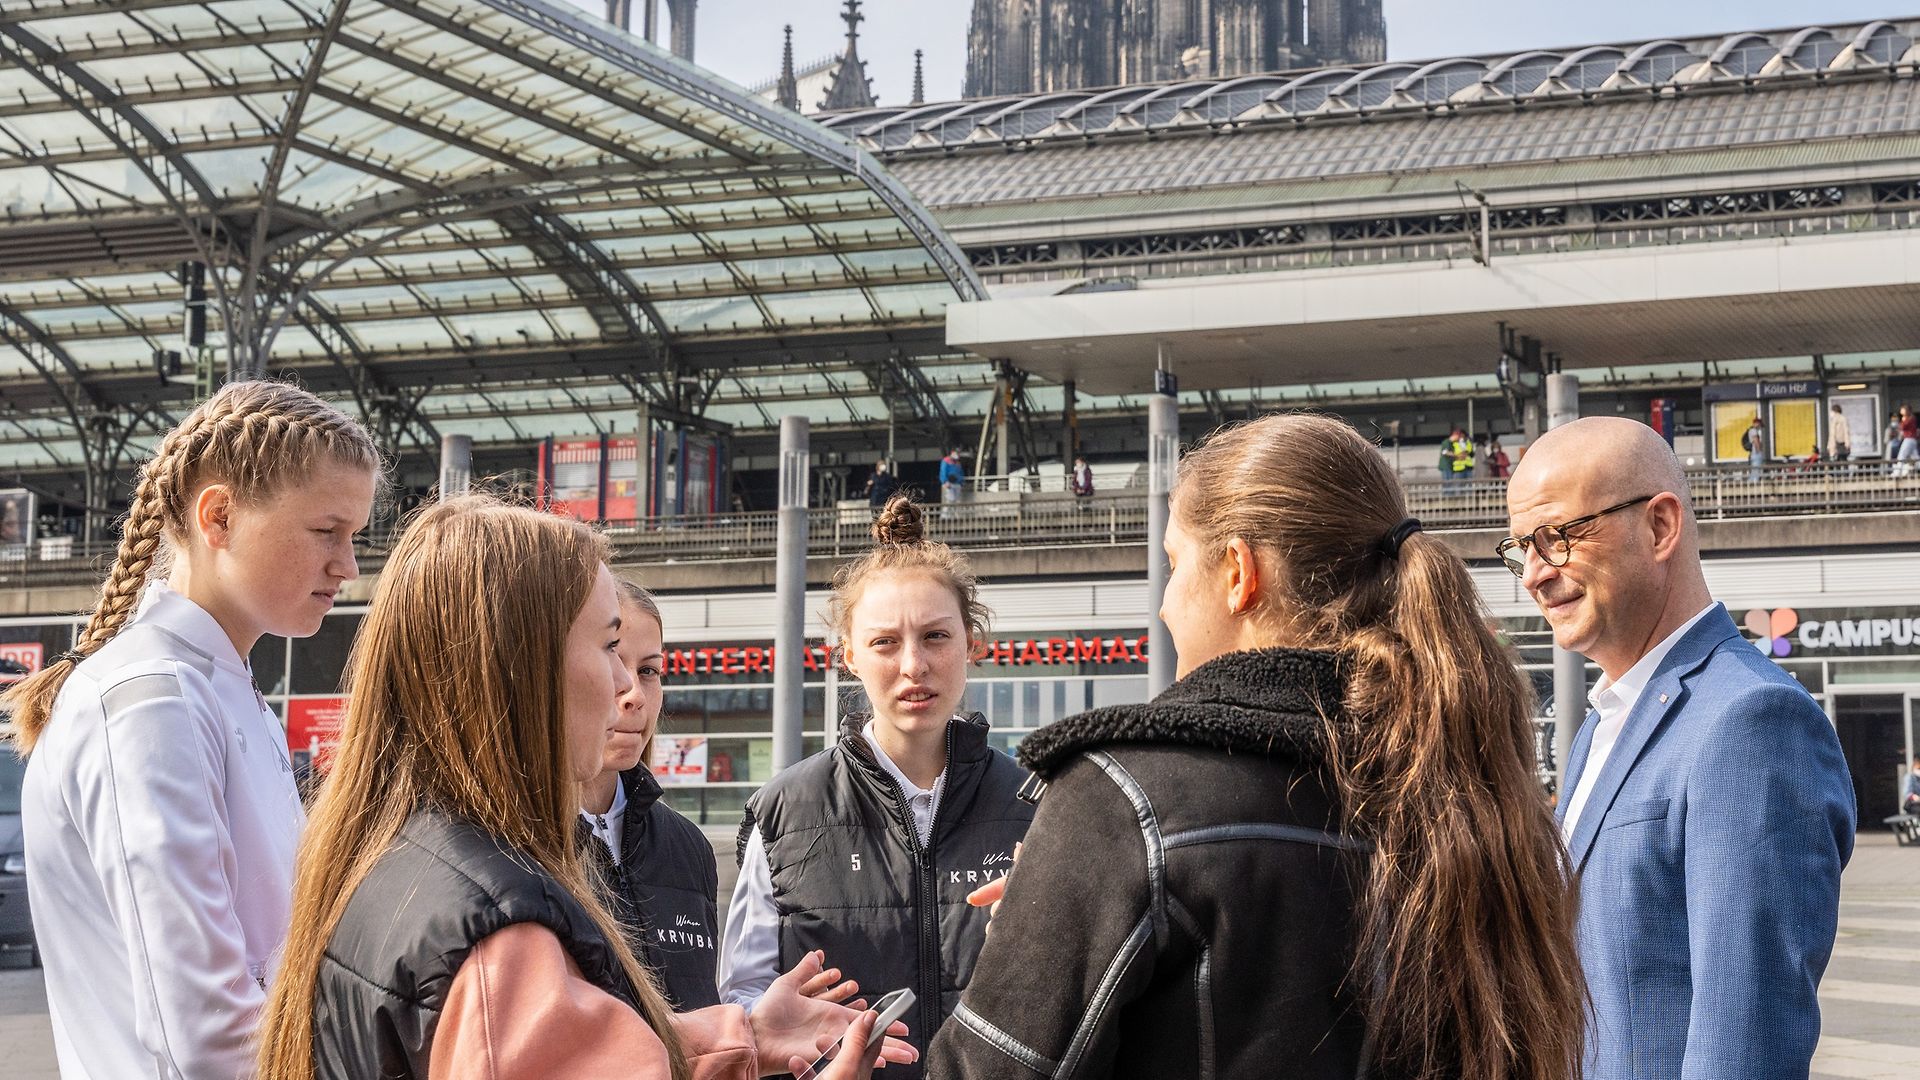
column 1322, row 852
column 159, row 806
column 866, row 851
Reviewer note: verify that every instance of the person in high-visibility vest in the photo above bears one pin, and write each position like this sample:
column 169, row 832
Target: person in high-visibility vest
column 1458, row 454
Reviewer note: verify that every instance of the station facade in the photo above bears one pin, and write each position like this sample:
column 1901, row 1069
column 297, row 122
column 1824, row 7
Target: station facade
column 1846, row 626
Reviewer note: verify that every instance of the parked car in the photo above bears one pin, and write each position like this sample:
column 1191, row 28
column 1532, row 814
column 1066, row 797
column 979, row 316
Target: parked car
column 16, row 922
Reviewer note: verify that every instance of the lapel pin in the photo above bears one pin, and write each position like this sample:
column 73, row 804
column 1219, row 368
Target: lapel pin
column 1663, row 699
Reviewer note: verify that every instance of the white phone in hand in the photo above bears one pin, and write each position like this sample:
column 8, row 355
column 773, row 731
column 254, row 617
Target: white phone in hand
column 891, row 1007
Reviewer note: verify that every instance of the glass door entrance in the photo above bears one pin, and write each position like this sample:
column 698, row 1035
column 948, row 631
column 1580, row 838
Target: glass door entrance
column 1876, row 735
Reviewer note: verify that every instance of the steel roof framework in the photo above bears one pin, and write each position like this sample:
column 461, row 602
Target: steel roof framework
column 444, row 211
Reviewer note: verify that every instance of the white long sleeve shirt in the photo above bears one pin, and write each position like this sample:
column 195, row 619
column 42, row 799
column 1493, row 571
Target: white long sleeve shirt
column 160, row 819
column 750, row 948
column 1613, row 699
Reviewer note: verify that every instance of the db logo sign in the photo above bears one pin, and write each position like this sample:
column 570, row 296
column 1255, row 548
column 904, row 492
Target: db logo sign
column 1770, row 629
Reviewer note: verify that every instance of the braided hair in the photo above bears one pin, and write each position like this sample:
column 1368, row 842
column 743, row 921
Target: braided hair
column 254, row 437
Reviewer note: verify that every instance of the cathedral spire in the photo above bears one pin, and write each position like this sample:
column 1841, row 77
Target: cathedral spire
column 851, row 88
column 919, row 78
column 788, row 94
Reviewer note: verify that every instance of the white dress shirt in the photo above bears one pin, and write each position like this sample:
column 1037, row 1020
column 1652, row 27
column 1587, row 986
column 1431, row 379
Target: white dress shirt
column 750, row 949
column 1614, row 699
column 612, row 825
column 161, row 821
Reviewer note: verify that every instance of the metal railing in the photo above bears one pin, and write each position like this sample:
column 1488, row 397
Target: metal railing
column 988, row 519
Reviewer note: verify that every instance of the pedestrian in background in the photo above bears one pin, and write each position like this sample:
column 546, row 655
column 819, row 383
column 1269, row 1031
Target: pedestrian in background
column 159, row 806
column 881, row 486
column 1082, row 478
column 953, row 477
column 1754, row 442
column 1502, row 464
column 1322, row 853
column 1456, row 461
column 1909, row 434
column 1839, row 435
column 1711, row 811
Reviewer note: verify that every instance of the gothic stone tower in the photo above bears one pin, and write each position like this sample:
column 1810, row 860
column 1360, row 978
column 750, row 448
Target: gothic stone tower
column 1029, row 46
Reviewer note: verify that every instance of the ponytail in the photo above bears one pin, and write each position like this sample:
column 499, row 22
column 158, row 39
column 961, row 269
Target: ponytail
column 1465, row 914
column 252, row 436
column 1465, row 959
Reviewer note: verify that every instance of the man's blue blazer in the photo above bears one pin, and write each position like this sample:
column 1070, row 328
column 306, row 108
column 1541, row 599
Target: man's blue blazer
column 1708, row 862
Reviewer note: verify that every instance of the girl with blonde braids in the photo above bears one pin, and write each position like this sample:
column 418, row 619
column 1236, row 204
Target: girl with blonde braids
column 159, row 806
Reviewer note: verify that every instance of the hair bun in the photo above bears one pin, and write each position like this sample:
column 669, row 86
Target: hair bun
column 900, row 522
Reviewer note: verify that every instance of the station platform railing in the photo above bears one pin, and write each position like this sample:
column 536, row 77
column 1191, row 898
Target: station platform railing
column 997, row 512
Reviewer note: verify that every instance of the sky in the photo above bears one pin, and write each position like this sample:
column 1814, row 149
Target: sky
column 741, row 39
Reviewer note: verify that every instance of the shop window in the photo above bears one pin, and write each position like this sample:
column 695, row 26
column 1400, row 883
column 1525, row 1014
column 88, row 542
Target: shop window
column 269, row 662
column 1731, row 419
column 52, row 639
column 1794, row 425
column 1859, row 672
column 320, row 661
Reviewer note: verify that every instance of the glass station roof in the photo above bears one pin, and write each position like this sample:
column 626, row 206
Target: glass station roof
column 446, row 209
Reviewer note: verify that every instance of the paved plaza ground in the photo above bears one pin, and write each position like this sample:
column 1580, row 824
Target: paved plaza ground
column 1869, row 998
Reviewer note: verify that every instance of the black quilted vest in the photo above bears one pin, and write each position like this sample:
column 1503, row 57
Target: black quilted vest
column 387, row 970
column 663, row 891
column 851, row 877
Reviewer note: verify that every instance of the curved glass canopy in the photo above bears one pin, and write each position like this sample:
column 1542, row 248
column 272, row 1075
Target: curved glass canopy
column 443, row 211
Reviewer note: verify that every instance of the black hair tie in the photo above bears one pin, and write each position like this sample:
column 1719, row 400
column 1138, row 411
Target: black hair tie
column 1390, row 543
column 74, row 655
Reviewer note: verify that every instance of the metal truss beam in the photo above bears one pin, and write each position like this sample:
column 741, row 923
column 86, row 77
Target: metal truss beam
column 21, row 11
column 132, row 50
column 179, row 91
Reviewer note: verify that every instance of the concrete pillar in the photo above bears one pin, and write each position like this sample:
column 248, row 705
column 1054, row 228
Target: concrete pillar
column 1563, row 400
column 456, row 465
column 1163, row 459
column 1569, row 668
column 790, row 594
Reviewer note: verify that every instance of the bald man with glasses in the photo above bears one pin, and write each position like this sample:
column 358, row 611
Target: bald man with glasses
column 1708, row 811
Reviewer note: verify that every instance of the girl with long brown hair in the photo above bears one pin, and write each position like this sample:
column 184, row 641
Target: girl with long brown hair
column 159, row 806
column 1322, row 852
column 444, row 923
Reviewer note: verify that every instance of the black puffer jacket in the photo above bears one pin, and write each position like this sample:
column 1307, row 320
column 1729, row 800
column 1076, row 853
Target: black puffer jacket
column 663, row 891
column 851, row 877
column 443, row 887
column 1183, row 904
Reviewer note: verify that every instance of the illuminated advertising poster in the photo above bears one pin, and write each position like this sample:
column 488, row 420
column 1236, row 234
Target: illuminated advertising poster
column 623, row 479
column 575, row 487
column 680, row 759
column 16, row 518
column 313, row 730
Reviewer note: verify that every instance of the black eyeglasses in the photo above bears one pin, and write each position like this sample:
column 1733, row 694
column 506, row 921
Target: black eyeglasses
column 1553, row 542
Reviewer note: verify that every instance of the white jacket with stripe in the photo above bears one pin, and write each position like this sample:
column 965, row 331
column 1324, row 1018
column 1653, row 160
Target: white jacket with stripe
column 161, row 820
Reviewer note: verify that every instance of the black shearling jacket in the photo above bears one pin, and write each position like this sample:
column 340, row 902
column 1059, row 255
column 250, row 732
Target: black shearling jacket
column 1183, row 905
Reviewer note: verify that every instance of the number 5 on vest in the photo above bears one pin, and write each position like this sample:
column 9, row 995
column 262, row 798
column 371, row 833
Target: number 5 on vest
column 856, row 860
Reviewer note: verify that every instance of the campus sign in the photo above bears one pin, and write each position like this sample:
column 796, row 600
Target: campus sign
column 1783, row 632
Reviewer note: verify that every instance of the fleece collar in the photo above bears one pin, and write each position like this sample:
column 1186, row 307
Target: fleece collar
column 1263, row 701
